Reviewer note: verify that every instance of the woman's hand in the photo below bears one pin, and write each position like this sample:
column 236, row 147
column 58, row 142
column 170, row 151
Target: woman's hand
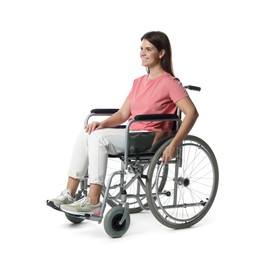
column 93, row 126
column 169, row 153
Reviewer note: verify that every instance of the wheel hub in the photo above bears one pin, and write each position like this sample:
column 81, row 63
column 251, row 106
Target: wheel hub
column 183, row 181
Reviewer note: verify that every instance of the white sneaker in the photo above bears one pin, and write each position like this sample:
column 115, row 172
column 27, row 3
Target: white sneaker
column 80, row 207
column 64, row 198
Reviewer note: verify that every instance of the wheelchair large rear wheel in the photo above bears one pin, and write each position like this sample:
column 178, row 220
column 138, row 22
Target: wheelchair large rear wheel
column 191, row 184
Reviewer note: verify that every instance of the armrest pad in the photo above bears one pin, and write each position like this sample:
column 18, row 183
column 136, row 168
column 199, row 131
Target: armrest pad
column 156, row 117
column 193, row 88
column 104, row 110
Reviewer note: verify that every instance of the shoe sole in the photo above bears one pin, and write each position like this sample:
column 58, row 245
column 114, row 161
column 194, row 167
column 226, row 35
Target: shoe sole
column 52, row 205
column 81, row 213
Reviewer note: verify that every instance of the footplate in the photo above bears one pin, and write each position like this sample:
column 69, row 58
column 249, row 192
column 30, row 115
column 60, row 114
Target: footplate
column 94, row 216
column 52, row 205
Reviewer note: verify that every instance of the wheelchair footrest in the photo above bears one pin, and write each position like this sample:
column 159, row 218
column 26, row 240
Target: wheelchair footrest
column 94, row 216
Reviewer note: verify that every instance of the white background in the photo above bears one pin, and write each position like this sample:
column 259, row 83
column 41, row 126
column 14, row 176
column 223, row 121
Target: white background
column 60, row 59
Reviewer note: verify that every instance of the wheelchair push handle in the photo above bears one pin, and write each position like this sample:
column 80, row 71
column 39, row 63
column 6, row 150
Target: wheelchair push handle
column 191, row 87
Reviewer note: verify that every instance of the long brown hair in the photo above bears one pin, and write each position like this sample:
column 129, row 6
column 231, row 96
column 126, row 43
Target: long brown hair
column 161, row 41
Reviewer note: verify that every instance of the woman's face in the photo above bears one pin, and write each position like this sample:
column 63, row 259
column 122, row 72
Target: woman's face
column 149, row 54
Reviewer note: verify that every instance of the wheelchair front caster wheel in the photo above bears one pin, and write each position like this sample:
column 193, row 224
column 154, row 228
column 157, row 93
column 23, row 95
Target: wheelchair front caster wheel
column 112, row 224
column 74, row 219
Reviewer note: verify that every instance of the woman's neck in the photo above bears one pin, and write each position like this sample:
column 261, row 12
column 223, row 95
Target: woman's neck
column 154, row 73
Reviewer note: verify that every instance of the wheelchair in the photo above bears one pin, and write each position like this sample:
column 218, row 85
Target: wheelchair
column 179, row 193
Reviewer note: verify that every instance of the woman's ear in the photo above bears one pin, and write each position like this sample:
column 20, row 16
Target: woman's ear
column 162, row 53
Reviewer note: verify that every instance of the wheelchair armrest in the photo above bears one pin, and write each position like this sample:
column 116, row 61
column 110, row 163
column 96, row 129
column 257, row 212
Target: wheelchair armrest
column 100, row 112
column 149, row 117
column 195, row 88
column 104, row 110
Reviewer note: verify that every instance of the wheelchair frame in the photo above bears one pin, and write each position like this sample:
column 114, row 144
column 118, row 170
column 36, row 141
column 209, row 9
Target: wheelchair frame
column 161, row 183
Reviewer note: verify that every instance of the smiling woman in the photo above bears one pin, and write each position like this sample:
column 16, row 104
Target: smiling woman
column 157, row 92
column 156, row 49
column 55, row 53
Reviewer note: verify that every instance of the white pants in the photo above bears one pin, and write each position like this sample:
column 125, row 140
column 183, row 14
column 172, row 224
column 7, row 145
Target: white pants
column 90, row 153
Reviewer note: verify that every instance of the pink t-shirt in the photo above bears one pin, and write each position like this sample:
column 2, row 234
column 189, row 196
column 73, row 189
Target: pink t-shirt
column 156, row 96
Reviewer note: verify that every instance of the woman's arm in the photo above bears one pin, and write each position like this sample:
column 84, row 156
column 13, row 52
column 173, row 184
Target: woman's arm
column 190, row 115
column 117, row 118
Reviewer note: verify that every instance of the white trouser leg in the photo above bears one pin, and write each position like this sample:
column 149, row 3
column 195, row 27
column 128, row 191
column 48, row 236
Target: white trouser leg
column 90, row 153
